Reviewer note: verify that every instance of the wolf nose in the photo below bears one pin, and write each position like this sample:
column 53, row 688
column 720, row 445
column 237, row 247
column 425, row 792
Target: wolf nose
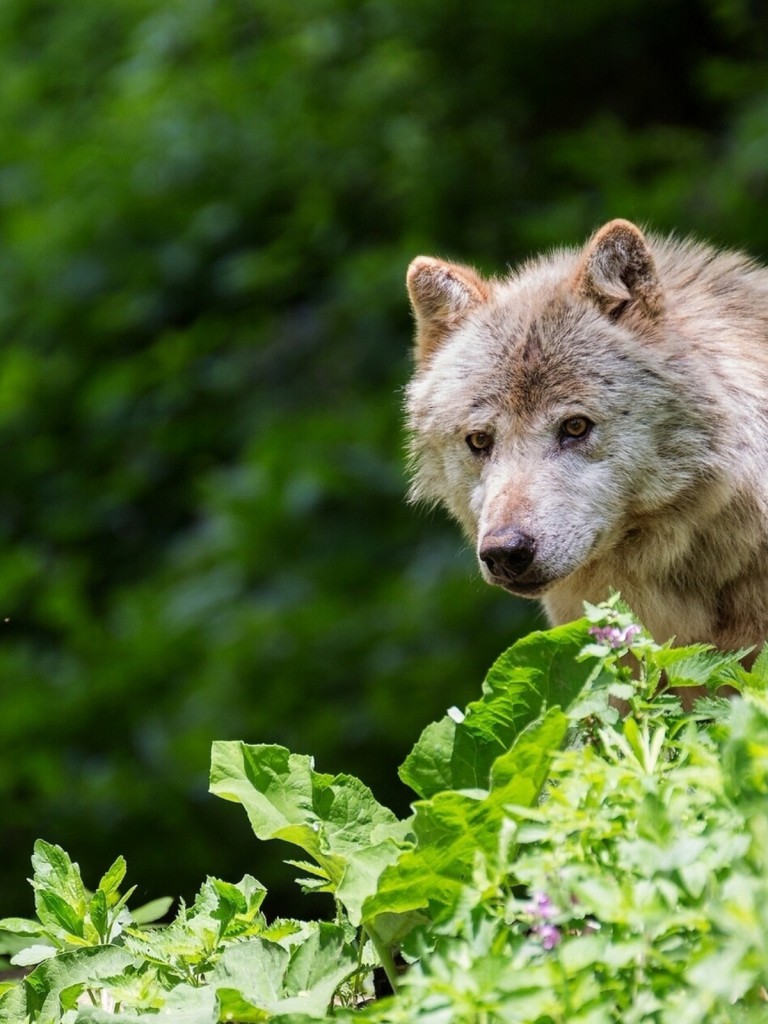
column 508, row 554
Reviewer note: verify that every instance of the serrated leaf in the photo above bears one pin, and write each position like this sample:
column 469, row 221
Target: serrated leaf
column 306, row 865
column 245, row 898
column 699, row 665
column 313, row 885
column 55, row 872
column 712, row 709
column 230, row 894
column 760, row 666
column 537, row 672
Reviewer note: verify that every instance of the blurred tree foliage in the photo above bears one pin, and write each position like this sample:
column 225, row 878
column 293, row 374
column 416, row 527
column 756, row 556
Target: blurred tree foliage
column 207, row 207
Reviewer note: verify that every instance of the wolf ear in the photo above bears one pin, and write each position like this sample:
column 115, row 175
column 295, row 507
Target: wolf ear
column 442, row 294
column 617, row 269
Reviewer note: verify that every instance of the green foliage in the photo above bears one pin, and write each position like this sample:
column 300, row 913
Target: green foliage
column 595, row 870
column 336, row 821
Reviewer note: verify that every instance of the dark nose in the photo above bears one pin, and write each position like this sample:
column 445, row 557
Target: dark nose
column 508, row 554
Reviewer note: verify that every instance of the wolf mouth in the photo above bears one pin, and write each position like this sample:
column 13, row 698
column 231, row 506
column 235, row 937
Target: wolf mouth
column 532, row 588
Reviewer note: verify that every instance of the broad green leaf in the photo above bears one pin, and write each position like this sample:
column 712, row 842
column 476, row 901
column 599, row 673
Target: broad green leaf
column 73, row 970
column 538, row 672
column 233, row 1006
column 518, row 776
column 316, row 969
column 13, row 1005
column 453, row 829
column 186, row 1004
column 335, row 819
column 254, row 968
column 270, row 979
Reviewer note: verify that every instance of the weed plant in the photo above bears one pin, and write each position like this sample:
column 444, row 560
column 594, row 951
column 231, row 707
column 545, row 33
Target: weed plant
column 563, row 862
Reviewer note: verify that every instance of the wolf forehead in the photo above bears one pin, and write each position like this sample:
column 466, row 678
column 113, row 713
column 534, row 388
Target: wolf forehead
column 541, row 336
column 514, row 355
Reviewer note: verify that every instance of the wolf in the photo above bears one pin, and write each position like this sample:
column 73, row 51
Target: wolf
column 597, row 420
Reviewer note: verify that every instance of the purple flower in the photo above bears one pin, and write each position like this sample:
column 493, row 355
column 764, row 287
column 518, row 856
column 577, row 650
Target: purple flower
column 543, row 910
column 542, row 906
column 549, row 935
column 614, row 637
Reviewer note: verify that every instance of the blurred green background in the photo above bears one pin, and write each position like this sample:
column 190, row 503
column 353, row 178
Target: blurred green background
column 206, row 212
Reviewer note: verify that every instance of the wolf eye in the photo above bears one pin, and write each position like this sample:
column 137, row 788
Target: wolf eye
column 575, row 428
column 479, row 442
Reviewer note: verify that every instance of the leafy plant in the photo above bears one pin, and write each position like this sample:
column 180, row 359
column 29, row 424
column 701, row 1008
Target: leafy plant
column 562, row 863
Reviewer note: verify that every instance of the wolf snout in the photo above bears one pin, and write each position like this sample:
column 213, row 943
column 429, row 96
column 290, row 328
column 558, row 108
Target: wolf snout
column 507, row 555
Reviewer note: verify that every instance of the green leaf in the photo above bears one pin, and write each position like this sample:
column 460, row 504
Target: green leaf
column 455, row 831
column 186, row 1004
column 335, row 819
column 20, row 926
column 255, row 969
column 74, row 970
column 537, row 672
column 13, row 1005
column 518, row 776
column 760, row 667
column 316, row 969
column 54, row 871
column 33, row 955
column 699, row 665
column 98, row 911
column 112, row 879
column 60, row 898
column 268, row 978
column 57, row 914
column 150, row 912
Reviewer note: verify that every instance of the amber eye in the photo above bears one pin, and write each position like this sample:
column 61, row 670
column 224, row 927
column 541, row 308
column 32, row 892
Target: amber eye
column 480, row 441
column 575, row 427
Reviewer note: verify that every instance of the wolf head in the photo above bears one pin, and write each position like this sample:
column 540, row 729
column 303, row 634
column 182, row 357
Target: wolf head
column 550, row 411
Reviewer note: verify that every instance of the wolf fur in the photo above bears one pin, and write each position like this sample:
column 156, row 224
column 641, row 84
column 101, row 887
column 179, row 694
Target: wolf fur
column 598, row 420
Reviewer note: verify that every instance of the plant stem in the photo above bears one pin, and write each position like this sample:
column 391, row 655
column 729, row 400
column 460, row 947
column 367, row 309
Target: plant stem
column 385, row 956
